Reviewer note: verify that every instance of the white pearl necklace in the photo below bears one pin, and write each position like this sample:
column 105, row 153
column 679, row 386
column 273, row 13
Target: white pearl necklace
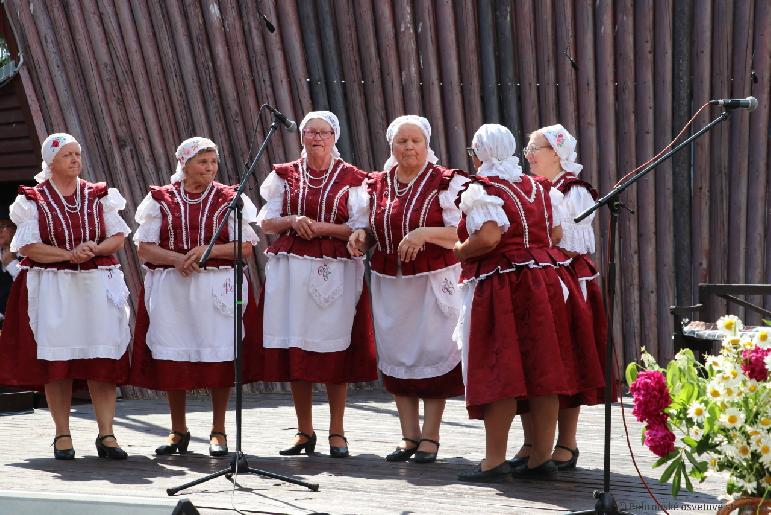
column 70, row 208
column 401, row 192
column 323, row 178
column 198, row 200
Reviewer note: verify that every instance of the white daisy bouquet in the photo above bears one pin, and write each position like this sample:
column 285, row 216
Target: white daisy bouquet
column 711, row 418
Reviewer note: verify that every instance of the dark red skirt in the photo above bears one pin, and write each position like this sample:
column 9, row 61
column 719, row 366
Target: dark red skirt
column 19, row 365
column 526, row 341
column 441, row 387
column 161, row 374
column 357, row 363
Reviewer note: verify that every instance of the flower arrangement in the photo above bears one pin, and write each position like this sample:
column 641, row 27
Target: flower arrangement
column 711, row 418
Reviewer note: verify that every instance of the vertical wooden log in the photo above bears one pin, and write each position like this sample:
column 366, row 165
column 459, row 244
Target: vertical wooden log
column 545, row 59
column 389, row 59
column 606, row 133
column 719, row 156
column 346, row 29
column 432, row 91
column 469, row 62
column 566, row 75
column 291, row 37
column 741, row 63
column 311, row 42
column 334, row 75
column 408, row 56
column 528, row 68
column 490, row 97
column 662, row 115
column 507, row 67
column 455, row 127
column 646, row 187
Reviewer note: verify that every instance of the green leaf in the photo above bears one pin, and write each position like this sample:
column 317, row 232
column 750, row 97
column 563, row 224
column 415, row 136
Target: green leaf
column 688, row 484
column 670, row 470
column 676, row 480
column 690, row 442
column 665, row 459
column 631, row 373
column 701, row 466
column 686, row 393
column 703, row 444
column 673, row 375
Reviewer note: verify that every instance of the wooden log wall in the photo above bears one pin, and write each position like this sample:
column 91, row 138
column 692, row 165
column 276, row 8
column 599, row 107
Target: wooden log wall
column 132, row 79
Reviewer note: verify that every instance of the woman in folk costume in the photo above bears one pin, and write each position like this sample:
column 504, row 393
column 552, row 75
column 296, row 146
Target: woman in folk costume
column 316, row 315
column 183, row 336
column 551, row 154
column 414, row 283
column 516, row 328
column 67, row 316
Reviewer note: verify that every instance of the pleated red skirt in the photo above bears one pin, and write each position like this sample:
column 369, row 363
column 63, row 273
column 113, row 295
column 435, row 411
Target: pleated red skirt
column 357, row 363
column 19, row 365
column 526, row 341
column 440, row 387
column 161, row 374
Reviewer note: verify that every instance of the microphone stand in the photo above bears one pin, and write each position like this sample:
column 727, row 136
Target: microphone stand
column 606, row 504
column 238, row 463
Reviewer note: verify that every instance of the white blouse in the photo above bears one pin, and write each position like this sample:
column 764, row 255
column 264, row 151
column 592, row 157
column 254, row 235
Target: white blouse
column 576, row 237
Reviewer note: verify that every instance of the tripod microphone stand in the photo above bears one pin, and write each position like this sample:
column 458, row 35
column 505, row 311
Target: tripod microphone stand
column 238, row 463
column 606, row 504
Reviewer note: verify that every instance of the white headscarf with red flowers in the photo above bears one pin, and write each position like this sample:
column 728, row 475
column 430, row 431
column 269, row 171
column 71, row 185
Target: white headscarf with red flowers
column 564, row 144
column 413, row 119
column 331, row 119
column 51, row 146
column 188, row 149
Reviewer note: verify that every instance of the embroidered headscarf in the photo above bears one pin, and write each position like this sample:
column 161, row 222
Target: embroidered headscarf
column 495, row 145
column 413, row 119
column 331, row 119
column 188, row 149
column 564, row 144
column 51, row 146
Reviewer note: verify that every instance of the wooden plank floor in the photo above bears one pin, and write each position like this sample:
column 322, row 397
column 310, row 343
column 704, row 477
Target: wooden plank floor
column 363, row 483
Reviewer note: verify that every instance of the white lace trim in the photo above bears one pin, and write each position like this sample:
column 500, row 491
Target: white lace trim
column 274, row 254
column 401, row 372
column 272, row 190
column 477, row 216
column 557, row 199
column 414, row 275
column 577, row 238
column 358, row 208
column 451, row 215
column 516, row 266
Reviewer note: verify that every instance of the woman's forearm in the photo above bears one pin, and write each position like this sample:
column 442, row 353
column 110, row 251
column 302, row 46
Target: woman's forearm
column 480, row 243
column 443, row 236
column 111, row 245
column 155, row 255
column 43, row 253
column 338, row 231
column 277, row 225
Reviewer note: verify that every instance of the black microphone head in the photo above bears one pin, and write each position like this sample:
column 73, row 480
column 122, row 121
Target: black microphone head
column 268, row 24
column 753, row 103
column 291, row 126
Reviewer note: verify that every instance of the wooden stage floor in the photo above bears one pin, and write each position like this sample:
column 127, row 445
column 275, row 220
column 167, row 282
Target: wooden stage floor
column 363, row 483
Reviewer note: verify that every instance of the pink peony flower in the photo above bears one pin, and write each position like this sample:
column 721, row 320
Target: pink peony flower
column 650, row 395
column 754, row 365
column 659, row 439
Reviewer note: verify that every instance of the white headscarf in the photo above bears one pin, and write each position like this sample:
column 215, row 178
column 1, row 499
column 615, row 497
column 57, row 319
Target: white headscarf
column 413, row 119
column 331, row 119
column 51, row 146
column 564, row 144
column 495, row 145
column 187, row 149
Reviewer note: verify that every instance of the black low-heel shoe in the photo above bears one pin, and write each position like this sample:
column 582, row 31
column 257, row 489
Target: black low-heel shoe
column 309, row 446
column 216, row 449
column 111, row 453
column 63, row 454
column 499, row 474
column 175, row 448
column 516, row 460
column 567, row 464
column 426, row 457
column 338, row 452
column 401, row 454
column 546, row 470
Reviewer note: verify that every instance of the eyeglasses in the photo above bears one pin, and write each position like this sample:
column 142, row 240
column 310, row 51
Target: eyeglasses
column 532, row 148
column 318, row 134
column 470, row 151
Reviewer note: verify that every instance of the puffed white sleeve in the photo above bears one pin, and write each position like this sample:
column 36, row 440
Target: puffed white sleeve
column 358, row 208
column 479, row 208
column 272, row 191
column 557, row 198
column 148, row 216
column 248, row 216
column 13, row 268
column 577, row 237
column 450, row 213
column 23, row 213
column 114, row 223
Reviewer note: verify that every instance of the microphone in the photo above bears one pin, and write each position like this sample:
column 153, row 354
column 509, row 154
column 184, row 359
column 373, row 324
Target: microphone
column 267, row 23
column 736, row 103
column 290, row 125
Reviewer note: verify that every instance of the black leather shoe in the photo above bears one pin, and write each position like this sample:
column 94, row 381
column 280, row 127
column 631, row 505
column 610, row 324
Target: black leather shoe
column 401, row 454
column 63, row 454
column 309, row 446
column 499, row 474
column 111, row 453
column 426, row 457
column 216, row 449
column 546, row 470
column 338, row 452
column 175, row 448
column 567, row 464
column 516, row 460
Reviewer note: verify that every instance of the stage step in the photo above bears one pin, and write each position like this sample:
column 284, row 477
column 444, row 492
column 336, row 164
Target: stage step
column 35, row 503
column 15, row 401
